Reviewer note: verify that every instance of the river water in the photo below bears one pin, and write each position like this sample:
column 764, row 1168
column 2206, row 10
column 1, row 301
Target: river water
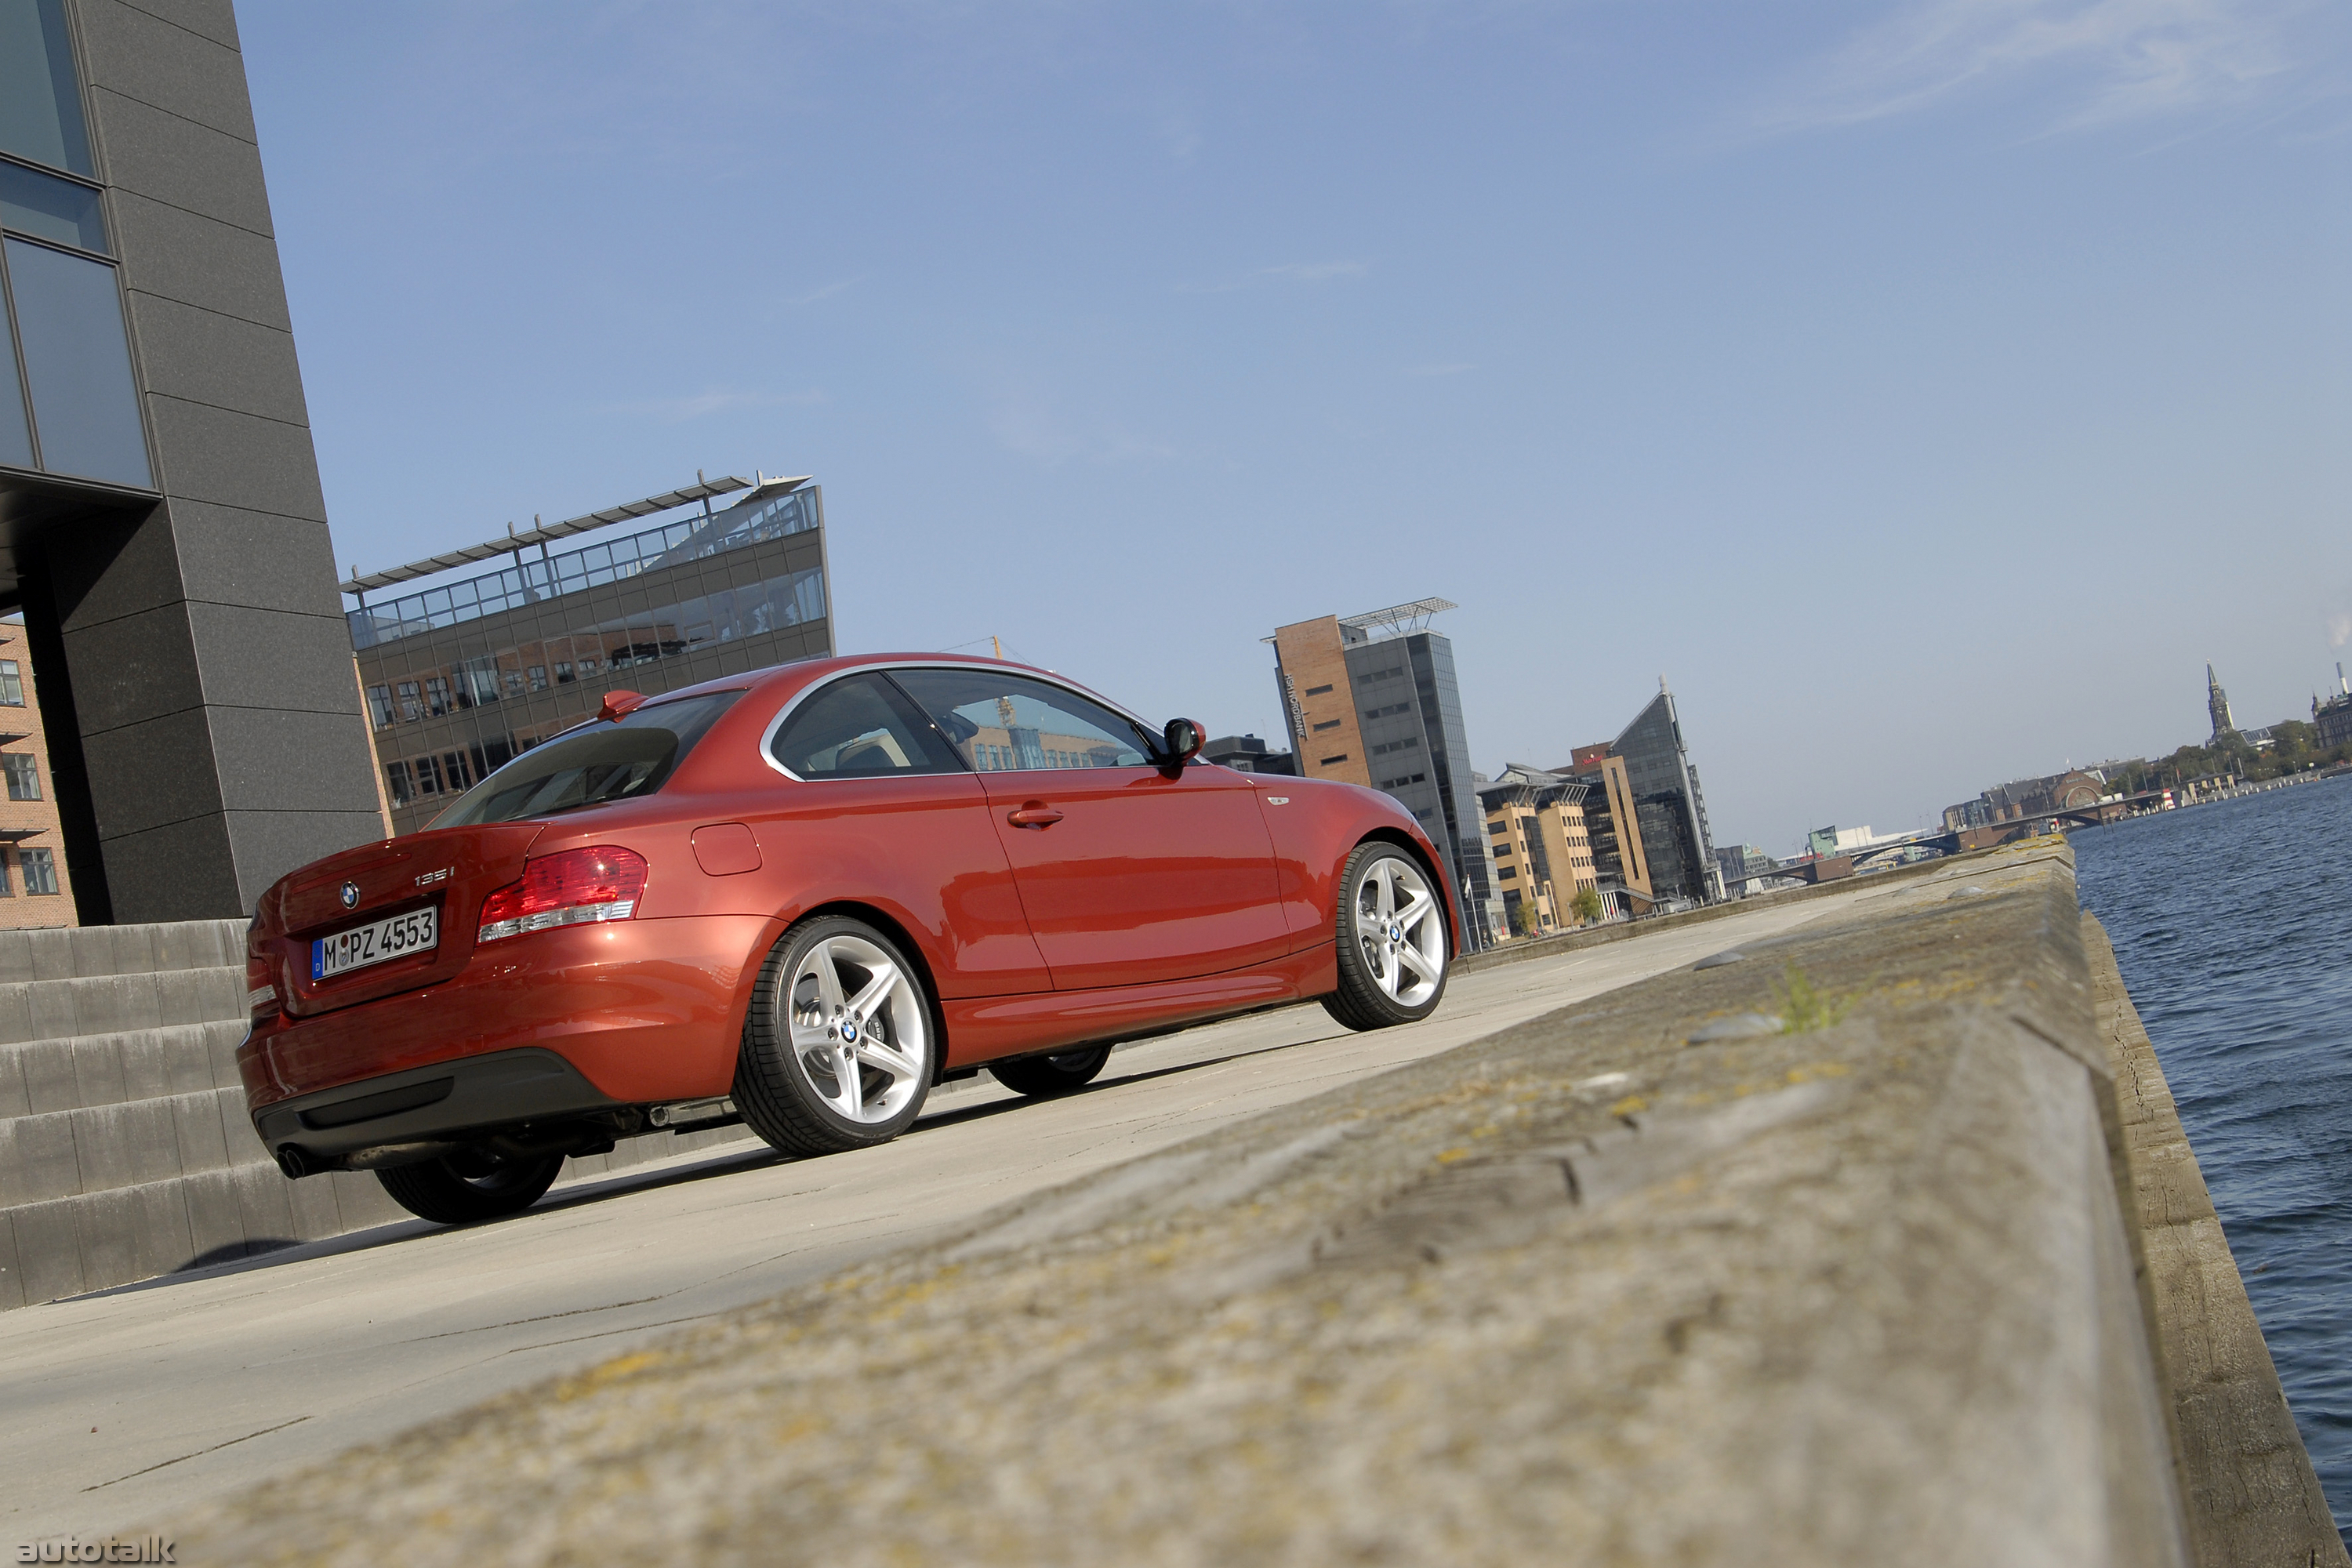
column 2233, row 925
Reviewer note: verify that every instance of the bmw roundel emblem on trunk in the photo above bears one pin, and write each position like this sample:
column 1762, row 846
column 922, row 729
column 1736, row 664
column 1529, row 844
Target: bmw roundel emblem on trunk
column 351, row 895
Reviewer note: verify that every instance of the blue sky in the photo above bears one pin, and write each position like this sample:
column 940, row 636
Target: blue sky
column 1927, row 390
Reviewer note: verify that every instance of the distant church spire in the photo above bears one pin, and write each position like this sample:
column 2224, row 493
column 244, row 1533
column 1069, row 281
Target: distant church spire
column 2217, row 704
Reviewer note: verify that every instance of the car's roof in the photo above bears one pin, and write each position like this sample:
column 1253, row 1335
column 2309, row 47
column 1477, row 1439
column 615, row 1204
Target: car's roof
column 780, row 680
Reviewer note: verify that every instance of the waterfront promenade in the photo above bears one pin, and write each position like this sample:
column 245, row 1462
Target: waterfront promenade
column 1598, row 1265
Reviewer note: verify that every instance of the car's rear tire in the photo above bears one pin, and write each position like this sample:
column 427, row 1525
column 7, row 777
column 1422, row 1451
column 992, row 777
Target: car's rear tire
column 472, row 1185
column 1043, row 1077
column 838, row 1047
column 1392, row 944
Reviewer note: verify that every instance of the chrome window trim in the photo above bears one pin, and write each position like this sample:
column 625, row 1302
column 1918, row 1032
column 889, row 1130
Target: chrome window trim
column 884, row 666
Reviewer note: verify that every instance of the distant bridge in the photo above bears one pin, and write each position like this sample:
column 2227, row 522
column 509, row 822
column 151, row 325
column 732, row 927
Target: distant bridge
column 1952, row 841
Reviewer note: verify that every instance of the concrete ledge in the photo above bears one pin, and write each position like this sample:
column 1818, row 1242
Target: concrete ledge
column 2246, row 1482
column 1858, row 1290
column 1522, row 948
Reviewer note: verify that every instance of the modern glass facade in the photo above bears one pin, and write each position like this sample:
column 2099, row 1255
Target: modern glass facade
column 1671, row 810
column 1410, row 710
column 536, row 579
column 69, row 403
column 460, row 679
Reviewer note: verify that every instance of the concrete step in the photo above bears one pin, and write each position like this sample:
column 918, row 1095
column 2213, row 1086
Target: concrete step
column 41, row 1076
column 92, row 1241
column 112, row 1004
column 85, row 953
column 226, row 1201
column 97, row 1148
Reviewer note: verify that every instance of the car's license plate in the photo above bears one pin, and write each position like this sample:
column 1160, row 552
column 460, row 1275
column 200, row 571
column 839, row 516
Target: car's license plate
column 395, row 937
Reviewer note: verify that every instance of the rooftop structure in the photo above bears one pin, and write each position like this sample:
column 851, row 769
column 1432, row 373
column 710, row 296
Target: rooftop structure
column 461, row 678
column 1397, row 619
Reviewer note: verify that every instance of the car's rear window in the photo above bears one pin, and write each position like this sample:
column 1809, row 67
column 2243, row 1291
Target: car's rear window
column 593, row 764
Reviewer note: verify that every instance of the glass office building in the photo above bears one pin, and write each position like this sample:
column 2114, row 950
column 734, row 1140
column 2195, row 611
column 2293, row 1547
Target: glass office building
column 462, row 677
column 1671, row 811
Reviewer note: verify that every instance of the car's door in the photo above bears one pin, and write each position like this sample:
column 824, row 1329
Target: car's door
column 1129, row 873
column 885, row 812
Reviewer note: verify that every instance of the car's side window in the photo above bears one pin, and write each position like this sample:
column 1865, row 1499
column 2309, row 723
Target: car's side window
column 860, row 728
column 1002, row 722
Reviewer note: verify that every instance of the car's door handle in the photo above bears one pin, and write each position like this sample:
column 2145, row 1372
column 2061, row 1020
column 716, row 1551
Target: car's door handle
column 1034, row 814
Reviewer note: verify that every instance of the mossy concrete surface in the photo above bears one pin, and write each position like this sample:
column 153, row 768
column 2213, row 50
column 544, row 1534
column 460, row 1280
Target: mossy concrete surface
column 1581, row 1291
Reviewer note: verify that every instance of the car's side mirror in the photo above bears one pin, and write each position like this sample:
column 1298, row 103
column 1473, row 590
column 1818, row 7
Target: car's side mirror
column 1179, row 742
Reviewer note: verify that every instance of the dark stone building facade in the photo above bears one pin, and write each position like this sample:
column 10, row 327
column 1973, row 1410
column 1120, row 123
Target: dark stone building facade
column 162, row 525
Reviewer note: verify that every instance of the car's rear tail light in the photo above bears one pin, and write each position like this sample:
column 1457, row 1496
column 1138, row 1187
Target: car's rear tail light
column 578, row 887
column 260, row 989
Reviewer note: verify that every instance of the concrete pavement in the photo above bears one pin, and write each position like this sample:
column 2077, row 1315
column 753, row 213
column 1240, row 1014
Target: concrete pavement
column 129, row 1406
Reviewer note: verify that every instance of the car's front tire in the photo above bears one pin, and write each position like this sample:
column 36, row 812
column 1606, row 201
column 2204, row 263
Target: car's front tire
column 472, row 1185
column 1044, row 1077
column 838, row 1049
column 1391, row 940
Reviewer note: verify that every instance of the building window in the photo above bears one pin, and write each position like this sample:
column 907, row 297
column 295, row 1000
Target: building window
column 1316, row 691
column 1327, row 762
column 77, row 363
column 514, row 682
column 40, row 871
column 411, row 706
column 428, row 776
column 397, row 783
column 563, row 672
column 453, row 770
column 12, row 684
column 380, row 706
column 437, row 696
column 539, row 678
column 8, row 883
column 24, row 775
column 1326, row 724
column 1391, row 708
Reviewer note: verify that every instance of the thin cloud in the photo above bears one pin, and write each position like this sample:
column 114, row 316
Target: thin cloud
column 1025, row 424
column 2131, row 59
column 827, row 293
column 1291, row 272
column 1316, row 271
column 701, row 404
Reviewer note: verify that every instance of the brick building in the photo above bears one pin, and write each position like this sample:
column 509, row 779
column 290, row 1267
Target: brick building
column 36, row 889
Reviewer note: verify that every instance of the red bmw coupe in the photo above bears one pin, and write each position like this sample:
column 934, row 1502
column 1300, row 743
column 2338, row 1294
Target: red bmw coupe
column 799, row 897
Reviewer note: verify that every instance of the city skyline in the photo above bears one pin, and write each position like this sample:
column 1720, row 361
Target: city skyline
column 1939, row 383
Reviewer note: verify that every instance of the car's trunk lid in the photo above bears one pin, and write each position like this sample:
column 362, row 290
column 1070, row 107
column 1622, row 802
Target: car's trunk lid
column 449, row 871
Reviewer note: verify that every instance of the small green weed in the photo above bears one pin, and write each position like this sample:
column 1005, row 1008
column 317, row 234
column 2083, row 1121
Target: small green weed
column 1803, row 1007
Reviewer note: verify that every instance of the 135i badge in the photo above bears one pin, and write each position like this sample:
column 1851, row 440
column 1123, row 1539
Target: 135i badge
column 430, row 877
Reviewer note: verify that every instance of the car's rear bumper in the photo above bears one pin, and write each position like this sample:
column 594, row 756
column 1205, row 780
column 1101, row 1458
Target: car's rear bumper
column 639, row 1012
column 424, row 1111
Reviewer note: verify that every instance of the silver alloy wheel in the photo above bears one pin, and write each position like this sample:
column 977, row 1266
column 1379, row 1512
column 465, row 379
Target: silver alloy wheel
column 1400, row 928
column 859, row 1028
